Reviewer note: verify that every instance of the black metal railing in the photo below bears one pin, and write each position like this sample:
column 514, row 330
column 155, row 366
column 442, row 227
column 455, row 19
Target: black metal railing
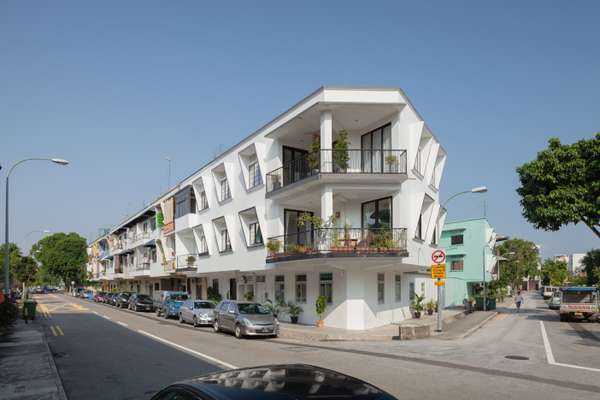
column 352, row 161
column 349, row 241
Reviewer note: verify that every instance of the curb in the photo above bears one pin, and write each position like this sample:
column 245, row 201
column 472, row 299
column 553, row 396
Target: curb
column 57, row 379
column 479, row 325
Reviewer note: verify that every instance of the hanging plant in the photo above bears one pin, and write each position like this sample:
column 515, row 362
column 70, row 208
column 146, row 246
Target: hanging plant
column 340, row 152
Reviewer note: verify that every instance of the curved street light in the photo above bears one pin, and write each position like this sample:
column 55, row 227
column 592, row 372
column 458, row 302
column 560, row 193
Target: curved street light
column 477, row 189
column 37, row 231
column 59, row 161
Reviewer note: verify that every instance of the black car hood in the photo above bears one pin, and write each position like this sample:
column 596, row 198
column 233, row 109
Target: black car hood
column 289, row 381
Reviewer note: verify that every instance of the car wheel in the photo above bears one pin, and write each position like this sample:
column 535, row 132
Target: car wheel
column 238, row 332
column 216, row 327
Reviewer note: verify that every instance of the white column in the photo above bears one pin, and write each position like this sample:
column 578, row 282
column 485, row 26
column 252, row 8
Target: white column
column 326, row 139
column 326, row 202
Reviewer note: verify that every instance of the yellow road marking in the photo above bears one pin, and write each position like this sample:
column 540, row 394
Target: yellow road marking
column 53, row 330
column 60, row 332
column 500, row 316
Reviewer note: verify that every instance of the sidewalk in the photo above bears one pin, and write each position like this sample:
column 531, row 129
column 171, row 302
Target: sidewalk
column 27, row 365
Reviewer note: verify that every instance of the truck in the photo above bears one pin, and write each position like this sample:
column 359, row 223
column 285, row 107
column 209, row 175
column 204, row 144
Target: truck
column 548, row 291
column 578, row 303
column 168, row 302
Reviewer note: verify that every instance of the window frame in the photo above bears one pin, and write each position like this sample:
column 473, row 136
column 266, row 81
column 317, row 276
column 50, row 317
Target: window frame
column 323, row 284
column 380, row 288
column 398, row 288
column 456, row 261
column 254, row 231
column 458, row 235
column 254, row 175
column 301, row 298
column 376, row 202
column 279, row 289
column 224, row 189
column 225, row 241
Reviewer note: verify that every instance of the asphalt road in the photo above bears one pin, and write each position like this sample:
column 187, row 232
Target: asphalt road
column 103, row 352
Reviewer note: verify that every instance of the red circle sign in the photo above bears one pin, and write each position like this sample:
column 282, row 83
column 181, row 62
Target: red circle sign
column 438, row 256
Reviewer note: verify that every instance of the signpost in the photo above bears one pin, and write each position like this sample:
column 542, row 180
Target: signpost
column 438, row 272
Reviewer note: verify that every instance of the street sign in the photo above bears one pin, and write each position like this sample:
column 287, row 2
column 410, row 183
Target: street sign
column 439, row 283
column 438, row 256
column 438, row 271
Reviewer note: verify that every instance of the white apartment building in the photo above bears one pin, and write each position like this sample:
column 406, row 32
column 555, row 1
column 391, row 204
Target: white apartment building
column 337, row 196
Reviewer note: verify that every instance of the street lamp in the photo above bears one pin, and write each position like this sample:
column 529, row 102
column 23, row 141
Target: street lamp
column 477, row 189
column 45, row 231
column 59, row 161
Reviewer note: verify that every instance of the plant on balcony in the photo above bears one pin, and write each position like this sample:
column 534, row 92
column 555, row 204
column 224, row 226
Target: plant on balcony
column 273, row 247
column 384, row 240
column 392, row 162
column 417, row 306
column 160, row 219
column 314, row 154
column 320, row 306
column 190, row 260
column 340, row 152
column 294, row 311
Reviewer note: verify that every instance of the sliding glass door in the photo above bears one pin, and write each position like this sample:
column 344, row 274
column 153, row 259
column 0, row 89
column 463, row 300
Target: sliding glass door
column 375, row 145
column 295, row 234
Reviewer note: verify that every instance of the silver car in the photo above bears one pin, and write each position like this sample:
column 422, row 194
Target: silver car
column 197, row 312
column 245, row 319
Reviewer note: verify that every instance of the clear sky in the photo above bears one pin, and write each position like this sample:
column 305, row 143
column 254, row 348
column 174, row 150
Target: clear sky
column 115, row 87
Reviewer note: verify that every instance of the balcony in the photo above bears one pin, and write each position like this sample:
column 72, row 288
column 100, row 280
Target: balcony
column 354, row 161
column 338, row 242
column 143, row 265
column 187, row 262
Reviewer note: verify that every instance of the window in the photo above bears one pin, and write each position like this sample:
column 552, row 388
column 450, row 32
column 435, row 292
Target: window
column 156, row 286
column 254, row 176
column 145, row 227
column 260, row 279
column 419, row 231
column 279, row 289
column 411, row 291
column 225, row 192
column 375, row 145
column 294, row 233
column 434, row 238
column 225, row 242
column 300, row 288
column 215, row 285
column 377, row 214
column 185, row 202
column 398, row 288
column 326, row 286
column 380, row 288
column 153, row 254
column 152, row 223
column 203, row 201
column 456, row 239
column 457, row 265
column 203, row 249
column 255, row 234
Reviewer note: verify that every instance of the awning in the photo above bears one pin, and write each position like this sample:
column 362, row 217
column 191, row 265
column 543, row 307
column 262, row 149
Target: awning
column 106, row 257
column 149, row 243
column 578, row 289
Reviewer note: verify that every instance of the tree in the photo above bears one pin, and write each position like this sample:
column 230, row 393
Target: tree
column 26, row 270
column 554, row 272
column 562, row 185
column 14, row 259
column 521, row 261
column 591, row 264
column 63, row 255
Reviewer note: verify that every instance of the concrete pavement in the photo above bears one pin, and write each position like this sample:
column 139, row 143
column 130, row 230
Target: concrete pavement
column 473, row 367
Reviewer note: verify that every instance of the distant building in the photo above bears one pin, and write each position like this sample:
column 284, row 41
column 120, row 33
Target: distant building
column 469, row 246
column 562, row 257
column 575, row 264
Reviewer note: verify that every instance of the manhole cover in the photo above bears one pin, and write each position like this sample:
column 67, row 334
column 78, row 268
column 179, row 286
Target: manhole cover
column 514, row 357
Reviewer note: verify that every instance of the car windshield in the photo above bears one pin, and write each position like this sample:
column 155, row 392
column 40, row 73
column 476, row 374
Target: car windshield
column 178, row 297
column 204, row 304
column 253, row 308
column 142, row 296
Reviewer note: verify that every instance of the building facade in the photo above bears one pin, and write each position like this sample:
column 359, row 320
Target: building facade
column 469, row 246
column 337, row 196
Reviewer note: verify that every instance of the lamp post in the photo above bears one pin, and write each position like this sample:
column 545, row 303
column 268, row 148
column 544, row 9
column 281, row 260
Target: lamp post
column 58, row 161
column 476, row 189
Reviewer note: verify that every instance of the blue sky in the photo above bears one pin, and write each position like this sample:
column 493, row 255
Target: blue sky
column 116, row 86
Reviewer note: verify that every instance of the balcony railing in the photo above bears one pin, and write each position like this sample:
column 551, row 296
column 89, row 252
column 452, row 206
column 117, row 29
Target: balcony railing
column 338, row 242
column 143, row 265
column 353, row 161
column 187, row 261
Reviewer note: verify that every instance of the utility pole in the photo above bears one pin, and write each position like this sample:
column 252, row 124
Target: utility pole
column 169, row 160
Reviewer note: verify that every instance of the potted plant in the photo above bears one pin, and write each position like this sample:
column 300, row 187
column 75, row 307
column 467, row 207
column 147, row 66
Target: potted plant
column 249, row 296
column 213, row 294
column 417, row 306
column 392, row 162
column 275, row 181
column 273, row 247
column 430, row 307
column 314, row 154
column 340, row 152
column 273, row 308
column 190, row 260
column 320, row 306
column 294, row 310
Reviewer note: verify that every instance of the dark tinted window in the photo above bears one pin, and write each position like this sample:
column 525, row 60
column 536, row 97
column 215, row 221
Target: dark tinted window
column 178, row 297
column 204, row 304
column 252, row 308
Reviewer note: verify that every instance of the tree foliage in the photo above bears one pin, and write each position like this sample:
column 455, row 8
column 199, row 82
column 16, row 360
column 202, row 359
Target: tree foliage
column 14, row 257
column 63, row 255
column 591, row 263
column 554, row 272
column 562, row 185
column 26, row 270
column 522, row 257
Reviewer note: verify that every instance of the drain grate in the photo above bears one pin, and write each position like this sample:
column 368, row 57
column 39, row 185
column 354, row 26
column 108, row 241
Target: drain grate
column 515, row 357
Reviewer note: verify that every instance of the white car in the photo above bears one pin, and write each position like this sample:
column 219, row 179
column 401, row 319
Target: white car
column 197, row 312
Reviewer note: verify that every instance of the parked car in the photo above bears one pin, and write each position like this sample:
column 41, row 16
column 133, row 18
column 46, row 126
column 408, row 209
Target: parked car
column 122, row 299
column 110, row 300
column 140, row 302
column 295, row 381
column 554, row 303
column 88, row 295
column 245, row 319
column 169, row 302
column 99, row 297
column 197, row 312
column 78, row 292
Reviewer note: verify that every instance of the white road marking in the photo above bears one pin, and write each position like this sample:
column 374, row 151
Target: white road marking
column 550, row 356
column 105, row 316
column 188, row 350
column 122, row 323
